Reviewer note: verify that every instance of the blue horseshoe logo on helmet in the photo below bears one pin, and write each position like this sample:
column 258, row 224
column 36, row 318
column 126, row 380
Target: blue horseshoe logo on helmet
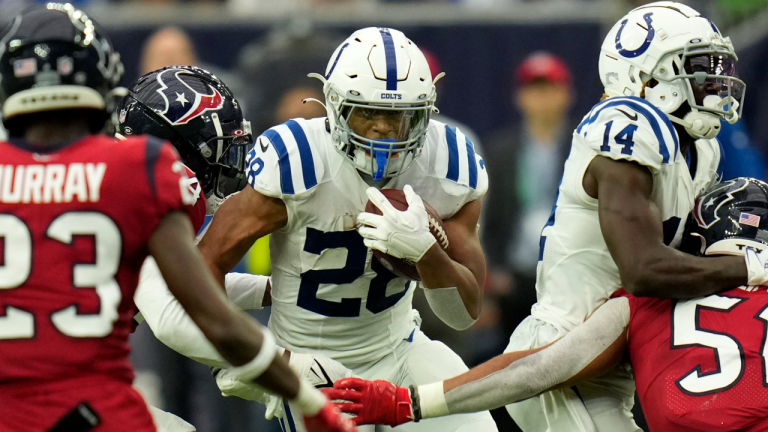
column 644, row 47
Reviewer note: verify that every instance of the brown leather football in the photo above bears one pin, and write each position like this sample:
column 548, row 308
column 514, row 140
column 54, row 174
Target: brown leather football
column 402, row 267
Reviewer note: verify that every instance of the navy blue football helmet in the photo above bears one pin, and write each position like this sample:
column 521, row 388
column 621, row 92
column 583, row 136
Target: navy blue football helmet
column 55, row 57
column 197, row 113
column 729, row 217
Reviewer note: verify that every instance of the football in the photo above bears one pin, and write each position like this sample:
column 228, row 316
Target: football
column 403, row 267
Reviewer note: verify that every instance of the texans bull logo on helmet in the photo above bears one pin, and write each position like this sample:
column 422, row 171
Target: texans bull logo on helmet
column 707, row 209
column 183, row 102
column 728, row 218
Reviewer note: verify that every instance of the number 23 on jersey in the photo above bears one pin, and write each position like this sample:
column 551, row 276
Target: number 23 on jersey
column 19, row 255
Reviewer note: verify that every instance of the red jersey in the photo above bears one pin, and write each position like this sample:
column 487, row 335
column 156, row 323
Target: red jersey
column 700, row 364
column 74, row 224
column 196, row 215
column 196, row 212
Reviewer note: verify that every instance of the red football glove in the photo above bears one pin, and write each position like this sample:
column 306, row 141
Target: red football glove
column 329, row 419
column 374, row 402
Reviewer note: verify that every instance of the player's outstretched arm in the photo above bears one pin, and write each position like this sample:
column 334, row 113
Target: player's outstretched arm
column 237, row 337
column 241, row 220
column 171, row 324
column 632, row 228
column 589, row 350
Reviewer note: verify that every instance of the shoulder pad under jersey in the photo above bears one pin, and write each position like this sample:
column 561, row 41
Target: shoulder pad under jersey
column 454, row 159
column 284, row 160
column 630, row 128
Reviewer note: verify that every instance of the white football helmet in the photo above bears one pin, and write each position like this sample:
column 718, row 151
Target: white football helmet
column 670, row 54
column 379, row 72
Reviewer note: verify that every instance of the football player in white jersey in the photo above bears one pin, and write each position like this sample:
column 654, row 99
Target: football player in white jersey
column 638, row 160
column 309, row 181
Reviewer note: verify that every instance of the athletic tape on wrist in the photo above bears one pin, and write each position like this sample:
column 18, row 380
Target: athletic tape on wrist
column 432, row 400
column 309, row 399
column 254, row 368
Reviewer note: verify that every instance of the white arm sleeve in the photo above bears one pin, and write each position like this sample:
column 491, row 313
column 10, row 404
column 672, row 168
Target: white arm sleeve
column 246, row 290
column 447, row 304
column 170, row 322
column 168, row 319
column 538, row 372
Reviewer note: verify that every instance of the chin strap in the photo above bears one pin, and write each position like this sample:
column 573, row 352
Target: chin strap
column 212, row 203
column 706, row 125
column 699, row 125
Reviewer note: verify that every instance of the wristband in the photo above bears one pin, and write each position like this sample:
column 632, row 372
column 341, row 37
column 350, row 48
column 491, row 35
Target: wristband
column 415, row 405
column 309, row 399
column 254, row 368
column 432, row 400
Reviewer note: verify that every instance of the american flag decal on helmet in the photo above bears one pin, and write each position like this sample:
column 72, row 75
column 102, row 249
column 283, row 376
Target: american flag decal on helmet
column 749, row 219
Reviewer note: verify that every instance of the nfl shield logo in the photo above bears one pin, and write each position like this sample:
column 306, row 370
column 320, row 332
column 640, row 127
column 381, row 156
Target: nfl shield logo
column 122, row 116
column 64, row 65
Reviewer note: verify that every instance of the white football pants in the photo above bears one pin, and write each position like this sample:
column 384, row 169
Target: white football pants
column 167, row 422
column 417, row 360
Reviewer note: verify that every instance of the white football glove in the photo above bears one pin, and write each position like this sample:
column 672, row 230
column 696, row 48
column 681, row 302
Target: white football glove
column 402, row 234
column 757, row 273
column 320, row 370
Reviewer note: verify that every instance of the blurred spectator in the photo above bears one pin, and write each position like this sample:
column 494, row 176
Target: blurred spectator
column 159, row 2
column 524, row 165
column 250, row 6
column 276, row 71
column 167, row 47
column 292, row 104
column 170, row 46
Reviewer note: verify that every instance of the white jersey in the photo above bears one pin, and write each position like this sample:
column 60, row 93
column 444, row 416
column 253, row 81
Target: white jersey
column 576, row 273
column 328, row 294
